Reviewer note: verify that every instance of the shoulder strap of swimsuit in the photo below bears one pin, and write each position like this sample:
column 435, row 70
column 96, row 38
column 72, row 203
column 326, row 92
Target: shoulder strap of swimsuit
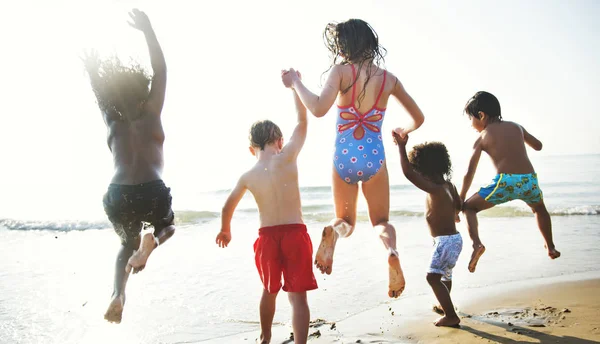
column 382, row 87
column 354, row 80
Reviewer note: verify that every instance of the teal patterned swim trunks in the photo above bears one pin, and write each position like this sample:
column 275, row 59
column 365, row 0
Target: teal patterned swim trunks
column 506, row 187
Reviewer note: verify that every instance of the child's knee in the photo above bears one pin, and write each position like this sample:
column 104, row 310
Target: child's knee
column 433, row 278
column 298, row 298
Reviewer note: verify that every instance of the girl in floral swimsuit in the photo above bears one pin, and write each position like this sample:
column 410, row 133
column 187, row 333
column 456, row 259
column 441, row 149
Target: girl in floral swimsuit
column 362, row 89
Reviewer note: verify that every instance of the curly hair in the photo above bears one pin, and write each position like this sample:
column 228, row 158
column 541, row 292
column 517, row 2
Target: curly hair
column 263, row 133
column 354, row 41
column 431, row 159
column 116, row 84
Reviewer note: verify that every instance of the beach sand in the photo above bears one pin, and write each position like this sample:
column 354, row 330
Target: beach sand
column 563, row 309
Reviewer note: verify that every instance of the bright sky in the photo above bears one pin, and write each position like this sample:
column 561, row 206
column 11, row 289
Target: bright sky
column 540, row 58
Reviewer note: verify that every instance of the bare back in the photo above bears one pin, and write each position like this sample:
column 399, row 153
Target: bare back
column 274, row 184
column 441, row 207
column 504, row 142
column 365, row 101
column 137, row 148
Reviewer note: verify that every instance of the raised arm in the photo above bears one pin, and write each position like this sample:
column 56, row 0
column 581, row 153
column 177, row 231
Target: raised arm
column 411, row 107
column 417, row 179
column 468, row 179
column 224, row 236
column 319, row 105
column 156, row 98
column 292, row 148
column 531, row 140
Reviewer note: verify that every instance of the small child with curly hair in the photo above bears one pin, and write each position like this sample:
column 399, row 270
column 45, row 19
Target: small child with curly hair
column 428, row 167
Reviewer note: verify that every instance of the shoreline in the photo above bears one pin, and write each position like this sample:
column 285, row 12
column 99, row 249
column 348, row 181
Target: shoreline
column 483, row 310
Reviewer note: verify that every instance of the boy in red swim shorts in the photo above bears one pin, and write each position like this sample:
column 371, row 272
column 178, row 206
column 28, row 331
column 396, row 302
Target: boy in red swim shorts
column 283, row 248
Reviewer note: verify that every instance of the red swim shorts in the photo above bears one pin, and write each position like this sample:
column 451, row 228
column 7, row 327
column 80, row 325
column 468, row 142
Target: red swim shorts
column 287, row 250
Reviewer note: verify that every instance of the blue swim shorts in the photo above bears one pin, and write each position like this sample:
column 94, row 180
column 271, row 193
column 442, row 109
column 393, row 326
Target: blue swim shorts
column 446, row 249
column 506, row 187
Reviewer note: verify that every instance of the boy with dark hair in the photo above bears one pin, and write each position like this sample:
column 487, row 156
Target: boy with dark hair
column 505, row 143
column 283, row 247
column 136, row 194
column 428, row 167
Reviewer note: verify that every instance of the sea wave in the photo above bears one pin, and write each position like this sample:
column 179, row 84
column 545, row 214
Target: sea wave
column 312, row 213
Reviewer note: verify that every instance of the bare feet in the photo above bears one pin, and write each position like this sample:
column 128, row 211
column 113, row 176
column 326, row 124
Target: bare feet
column 324, row 257
column 477, row 252
column 448, row 322
column 140, row 257
column 553, row 253
column 115, row 309
column 397, row 282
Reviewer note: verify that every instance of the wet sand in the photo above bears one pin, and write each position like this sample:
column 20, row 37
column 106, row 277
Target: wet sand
column 562, row 309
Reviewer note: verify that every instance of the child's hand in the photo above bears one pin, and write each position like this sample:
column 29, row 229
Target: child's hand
column 399, row 140
column 401, row 131
column 289, row 76
column 140, row 20
column 223, row 239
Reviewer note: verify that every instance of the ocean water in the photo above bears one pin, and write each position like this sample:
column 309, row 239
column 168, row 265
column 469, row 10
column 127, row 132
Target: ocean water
column 56, row 276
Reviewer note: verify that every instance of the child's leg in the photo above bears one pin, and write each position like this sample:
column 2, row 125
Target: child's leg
column 377, row 194
column 300, row 316
column 471, row 207
column 344, row 196
column 267, row 312
column 443, row 296
column 438, row 308
column 545, row 225
column 114, row 312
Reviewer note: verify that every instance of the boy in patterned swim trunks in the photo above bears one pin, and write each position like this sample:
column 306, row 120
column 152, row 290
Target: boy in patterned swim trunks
column 428, row 167
column 516, row 179
column 283, row 248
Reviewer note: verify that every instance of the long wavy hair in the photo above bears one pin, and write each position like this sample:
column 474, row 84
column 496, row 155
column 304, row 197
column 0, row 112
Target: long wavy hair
column 118, row 87
column 354, row 42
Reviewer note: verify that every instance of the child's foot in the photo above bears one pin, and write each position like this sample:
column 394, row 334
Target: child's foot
column 477, row 252
column 114, row 312
column 140, row 257
column 553, row 253
column 397, row 282
column 438, row 309
column 324, row 257
column 448, row 322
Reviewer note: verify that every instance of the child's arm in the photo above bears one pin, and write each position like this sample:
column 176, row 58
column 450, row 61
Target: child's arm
column 409, row 173
column 156, row 98
column 468, row 179
column 411, row 107
column 458, row 203
column 319, row 105
column 292, row 148
column 224, row 236
column 531, row 140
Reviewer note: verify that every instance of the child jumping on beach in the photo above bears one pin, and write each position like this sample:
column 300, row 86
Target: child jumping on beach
column 283, row 247
column 428, row 167
column 136, row 195
column 505, row 143
column 362, row 88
